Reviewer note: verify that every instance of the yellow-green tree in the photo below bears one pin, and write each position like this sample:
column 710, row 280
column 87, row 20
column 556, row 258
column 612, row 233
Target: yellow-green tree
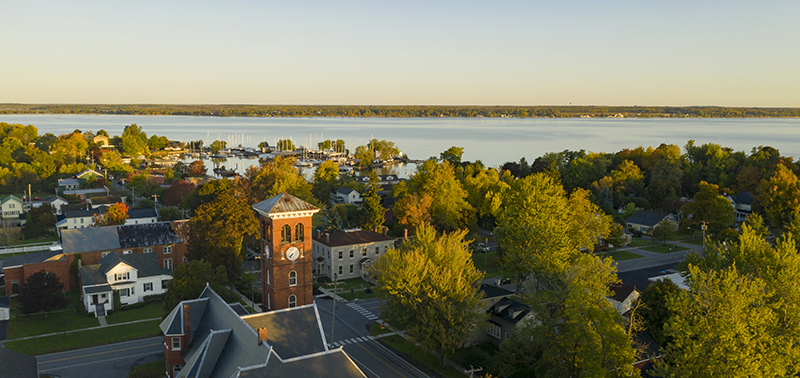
column 708, row 206
column 779, row 197
column 279, row 176
column 430, row 287
column 449, row 209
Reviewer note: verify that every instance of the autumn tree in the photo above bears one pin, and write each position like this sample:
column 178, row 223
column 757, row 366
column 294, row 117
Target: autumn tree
column 449, row 208
column 217, row 230
column 115, row 214
column 42, row 291
column 197, row 168
column 413, row 210
column 279, row 176
column 430, row 287
column 779, row 197
column 190, row 279
column 174, row 195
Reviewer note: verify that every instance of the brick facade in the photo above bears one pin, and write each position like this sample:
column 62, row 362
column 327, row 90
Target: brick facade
column 276, row 267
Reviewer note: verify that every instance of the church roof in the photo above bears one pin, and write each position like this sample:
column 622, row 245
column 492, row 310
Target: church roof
column 283, row 203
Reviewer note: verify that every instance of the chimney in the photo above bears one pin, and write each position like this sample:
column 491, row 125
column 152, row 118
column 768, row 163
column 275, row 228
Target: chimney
column 385, row 231
column 405, row 233
column 262, row 335
column 186, row 324
column 319, row 234
column 327, row 237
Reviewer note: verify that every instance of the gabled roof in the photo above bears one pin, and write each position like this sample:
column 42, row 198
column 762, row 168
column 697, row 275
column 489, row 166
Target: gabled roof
column 491, row 291
column 83, row 213
column 10, row 197
column 350, row 237
column 142, row 213
column 744, row 198
column 68, row 181
column 52, row 199
column 345, row 191
column 106, row 200
column 146, row 265
column 648, row 218
column 283, row 203
column 90, row 239
column 510, row 310
column 20, row 260
column 124, row 236
column 88, row 172
column 620, row 291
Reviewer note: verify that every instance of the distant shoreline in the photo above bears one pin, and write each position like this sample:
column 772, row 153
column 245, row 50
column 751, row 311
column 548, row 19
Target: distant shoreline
column 389, row 111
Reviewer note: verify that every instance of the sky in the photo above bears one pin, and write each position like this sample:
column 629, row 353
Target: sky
column 675, row 53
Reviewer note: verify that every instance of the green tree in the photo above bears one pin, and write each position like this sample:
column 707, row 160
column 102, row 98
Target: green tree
column 664, row 231
column 42, row 291
column 616, row 236
column 325, row 177
column 217, row 229
column 134, row 141
column 218, row 145
column 655, row 312
column 431, row 288
column 756, row 223
column 375, row 212
column 279, row 176
column 779, row 197
column 157, row 142
column 453, row 155
column 40, row 221
column 169, row 213
column 707, row 206
column 449, row 208
column 190, row 279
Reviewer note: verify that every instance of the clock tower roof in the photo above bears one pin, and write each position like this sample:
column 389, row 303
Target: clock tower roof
column 284, row 203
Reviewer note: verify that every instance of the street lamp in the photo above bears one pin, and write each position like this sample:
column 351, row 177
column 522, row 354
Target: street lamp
column 704, row 228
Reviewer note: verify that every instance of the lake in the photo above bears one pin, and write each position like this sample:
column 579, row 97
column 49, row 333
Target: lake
column 491, row 140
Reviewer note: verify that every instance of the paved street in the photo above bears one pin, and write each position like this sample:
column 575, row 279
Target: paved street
column 106, row 361
column 652, row 259
column 351, row 331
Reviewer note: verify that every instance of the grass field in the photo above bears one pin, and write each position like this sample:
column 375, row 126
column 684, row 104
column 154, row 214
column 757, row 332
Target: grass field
column 620, row 255
column 152, row 310
column 83, row 339
column 402, row 345
column 151, row 370
column 66, row 320
column 484, row 261
column 375, row 329
column 639, row 242
column 664, row 248
column 356, row 294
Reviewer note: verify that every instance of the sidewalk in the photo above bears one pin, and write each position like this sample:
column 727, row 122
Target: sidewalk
column 326, row 292
column 256, row 307
column 2, row 343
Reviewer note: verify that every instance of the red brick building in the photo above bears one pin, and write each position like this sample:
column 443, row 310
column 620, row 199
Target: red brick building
column 286, row 251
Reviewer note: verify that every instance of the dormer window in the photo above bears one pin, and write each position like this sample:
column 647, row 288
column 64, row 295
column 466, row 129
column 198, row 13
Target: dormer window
column 122, row 276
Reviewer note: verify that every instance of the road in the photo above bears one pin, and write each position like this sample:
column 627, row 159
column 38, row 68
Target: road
column 106, row 361
column 351, row 331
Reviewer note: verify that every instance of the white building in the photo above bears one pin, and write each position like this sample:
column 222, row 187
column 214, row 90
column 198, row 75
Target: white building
column 347, row 195
column 141, row 216
column 134, row 276
column 12, row 207
column 349, row 253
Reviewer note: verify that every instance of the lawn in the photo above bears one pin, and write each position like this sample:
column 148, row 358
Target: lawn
column 356, row 294
column 48, row 239
column 620, row 255
column 375, row 329
column 487, row 260
column 476, row 355
column 346, row 285
column 83, row 339
column 151, row 370
column 152, row 310
column 639, row 242
column 67, row 320
column 664, row 248
column 402, row 345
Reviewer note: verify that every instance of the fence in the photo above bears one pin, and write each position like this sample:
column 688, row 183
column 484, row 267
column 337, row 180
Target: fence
column 28, row 248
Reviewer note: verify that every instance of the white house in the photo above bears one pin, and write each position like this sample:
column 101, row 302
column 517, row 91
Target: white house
column 133, row 276
column 347, row 195
column 81, row 218
column 623, row 297
column 349, row 253
column 141, row 216
column 12, row 207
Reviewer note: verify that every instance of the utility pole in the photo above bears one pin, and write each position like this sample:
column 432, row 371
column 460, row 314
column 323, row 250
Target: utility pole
column 335, row 285
column 704, row 228
column 155, row 200
column 472, row 371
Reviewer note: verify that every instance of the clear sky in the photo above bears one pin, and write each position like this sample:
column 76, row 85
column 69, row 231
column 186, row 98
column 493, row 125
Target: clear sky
column 727, row 53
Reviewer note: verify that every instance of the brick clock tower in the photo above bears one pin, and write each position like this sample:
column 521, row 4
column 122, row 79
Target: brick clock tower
column 286, row 251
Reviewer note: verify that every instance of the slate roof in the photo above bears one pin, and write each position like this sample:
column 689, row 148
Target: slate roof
column 648, row 218
column 146, row 265
column 238, row 309
column 98, row 289
column 491, row 291
column 106, row 200
column 744, row 198
column 334, row 363
column 124, row 236
column 292, row 333
column 20, row 260
column 52, row 199
column 283, row 203
column 17, row 365
column 82, row 213
column 340, row 238
column 510, row 310
column 620, row 291
column 142, row 213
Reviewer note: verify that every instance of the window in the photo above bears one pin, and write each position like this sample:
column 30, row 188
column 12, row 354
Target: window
column 267, row 277
column 176, row 343
column 293, row 278
column 14, row 287
column 351, row 253
column 292, row 301
column 176, row 369
column 128, row 252
column 124, row 292
column 508, row 335
column 329, row 254
column 299, row 235
column 122, row 276
column 494, row 330
column 147, row 250
column 364, row 252
column 185, row 259
column 168, row 264
column 167, row 250
column 105, row 253
column 147, row 286
column 286, row 234
column 81, row 220
column 377, row 250
column 269, row 301
column 351, row 268
column 164, row 284
column 340, row 255
column 340, row 270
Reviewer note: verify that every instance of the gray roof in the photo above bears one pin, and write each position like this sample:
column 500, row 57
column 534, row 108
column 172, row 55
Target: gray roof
column 146, row 265
column 620, row 291
column 491, row 291
column 292, row 332
column 125, row 236
column 340, row 238
column 106, row 200
column 173, row 323
column 17, row 365
column 70, row 181
column 648, row 218
column 142, row 213
column 510, row 310
column 283, row 203
column 345, row 191
column 90, row 239
column 82, row 213
column 744, row 198
column 12, row 261
column 98, row 289
column 239, row 309
column 333, row 363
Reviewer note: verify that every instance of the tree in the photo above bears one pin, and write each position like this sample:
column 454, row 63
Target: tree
column 40, row 221
column 43, row 291
column 375, row 212
column 279, row 176
column 217, row 230
column 218, row 145
column 665, row 231
column 616, row 236
column 134, row 141
column 540, row 230
column 169, row 213
column 413, row 210
column 189, row 280
column 177, row 191
column 779, row 197
column 707, row 207
column 655, row 312
column 9, row 234
column 115, row 214
column 453, row 155
column 449, row 208
column 325, row 177
column 431, row 288
column 157, row 142
column 197, row 168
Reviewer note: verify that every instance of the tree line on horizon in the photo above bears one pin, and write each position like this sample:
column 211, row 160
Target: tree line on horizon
column 402, row 111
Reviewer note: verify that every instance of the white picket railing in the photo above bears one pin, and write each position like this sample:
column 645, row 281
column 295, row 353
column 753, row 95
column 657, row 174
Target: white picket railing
column 27, row 248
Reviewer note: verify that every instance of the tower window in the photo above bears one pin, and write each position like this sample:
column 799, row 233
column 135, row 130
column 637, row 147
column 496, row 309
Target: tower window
column 299, row 235
column 292, row 301
column 286, row 234
column 293, row 278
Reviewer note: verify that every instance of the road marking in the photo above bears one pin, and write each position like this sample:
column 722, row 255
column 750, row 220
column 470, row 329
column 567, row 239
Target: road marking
column 96, row 354
column 99, row 362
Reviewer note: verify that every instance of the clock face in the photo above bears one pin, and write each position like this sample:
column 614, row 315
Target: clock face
column 293, row 253
column 266, row 251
